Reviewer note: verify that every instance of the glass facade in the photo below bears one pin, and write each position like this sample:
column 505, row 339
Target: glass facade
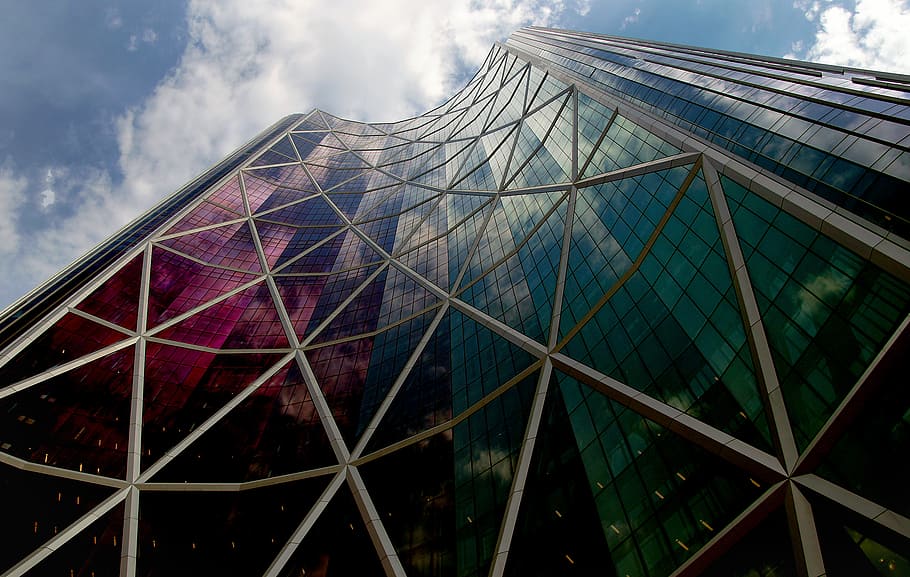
column 616, row 308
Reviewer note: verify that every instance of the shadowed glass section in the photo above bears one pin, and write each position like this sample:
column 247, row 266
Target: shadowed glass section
column 558, row 531
column 37, row 507
column 93, row 551
column 269, row 188
column 672, row 326
column 184, row 387
column 78, row 420
column 220, row 533
column 360, row 315
column 337, row 545
column 519, row 288
column 766, row 551
column 659, row 497
column 66, row 340
column 444, row 517
column 827, row 312
column 274, row 431
column 117, row 300
column 461, row 364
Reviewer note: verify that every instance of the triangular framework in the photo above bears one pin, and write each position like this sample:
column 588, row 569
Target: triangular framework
column 397, row 229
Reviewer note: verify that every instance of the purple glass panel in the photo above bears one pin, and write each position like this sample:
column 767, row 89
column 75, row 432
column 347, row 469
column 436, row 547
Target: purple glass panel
column 178, row 284
column 229, row 196
column 361, row 315
column 247, row 320
column 275, row 431
column 319, row 260
column 203, row 215
column 340, row 372
column 300, row 295
column 184, row 387
column 229, row 246
column 78, row 420
column 313, row 212
column 68, row 339
column 117, row 300
column 286, row 184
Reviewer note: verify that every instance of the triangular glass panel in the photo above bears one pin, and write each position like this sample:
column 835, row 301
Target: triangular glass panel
column 330, row 178
column 300, row 295
column 765, row 551
column 347, row 160
column 95, row 550
column 246, row 320
column 443, row 126
column 218, row 532
column 203, row 215
column 627, row 144
column 282, row 243
column 275, row 431
column 266, row 194
column 360, row 314
column 593, row 119
column 672, row 327
column 338, row 544
column 315, row 211
column 519, row 291
column 78, row 420
column 461, row 364
column 472, row 123
column 349, row 202
column 285, row 147
column 509, row 105
column 68, row 339
column 291, row 176
column 863, row 459
column 37, row 507
column 407, row 198
column 178, row 284
column 551, row 161
column 312, row 122
column 320, row 258
column 355, row 376
column 270, row 157
column 827, row 311
column 403, row 297
column 445, row 515
column 547, row 89
column 228, row 196
column 486, row 167
column 659, row 497
column 229, row 246
column 184, row 387
column 558, row 530
column 117, row 300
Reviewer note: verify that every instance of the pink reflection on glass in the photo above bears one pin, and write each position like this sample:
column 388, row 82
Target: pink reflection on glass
column 229, row 246
column 229, row 196
column 117, row 300
column 203, row 215
column 247, row 320
column 341, row 372
column 178, row 284
column 300, row 296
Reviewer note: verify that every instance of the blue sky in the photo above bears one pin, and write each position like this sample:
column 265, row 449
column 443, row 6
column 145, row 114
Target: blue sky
column 106, row 107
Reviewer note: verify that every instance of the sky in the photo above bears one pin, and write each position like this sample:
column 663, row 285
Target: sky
column 106, row 107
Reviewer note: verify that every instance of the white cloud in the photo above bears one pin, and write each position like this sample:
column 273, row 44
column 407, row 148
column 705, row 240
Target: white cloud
column 871, row 35
column 630, row 19
column 245, row 67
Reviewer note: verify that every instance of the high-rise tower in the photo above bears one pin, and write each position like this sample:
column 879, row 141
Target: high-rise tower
column 616, row 308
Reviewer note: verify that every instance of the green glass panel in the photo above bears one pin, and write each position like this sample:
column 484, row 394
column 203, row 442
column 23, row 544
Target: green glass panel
column 593, row 118
column 558, row 531
column 529, row 151
column 659, row 497
column 444, row 516
column 461, row 364
column 826, row 310
column 519, row 289
column 552, row 162
column 627, row 144
column 673, row 328
column 337, row 545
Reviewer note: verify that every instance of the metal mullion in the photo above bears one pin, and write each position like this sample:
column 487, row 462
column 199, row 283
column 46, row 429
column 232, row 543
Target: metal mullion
column 574, row 175
column 600, row 140
column 453, row 286
column 101, row 321
column 769, row 385
column 803, row 533
column 53, row 471
column 502, row 143
column 388, row 556
column 204, row 263
column 522, row 469
column 658, row 164
column 336, row 440
column 546, row 136
column 556, row 313
column 517, row 338
column 214, row 225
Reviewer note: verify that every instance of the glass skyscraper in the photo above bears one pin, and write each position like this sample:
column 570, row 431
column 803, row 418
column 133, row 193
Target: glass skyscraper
column 617, row 308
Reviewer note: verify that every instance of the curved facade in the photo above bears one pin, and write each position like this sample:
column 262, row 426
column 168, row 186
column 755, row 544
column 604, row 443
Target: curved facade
column 574, row 321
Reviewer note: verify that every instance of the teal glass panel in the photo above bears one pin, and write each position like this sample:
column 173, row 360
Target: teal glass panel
column 627, row 144
column 444, row 516
column 552, row 162
column 519, row 289
column 558, row 530
column 337, row 545
column 672, row 328
column 533, row 131
column 460, row 240
column 826, row 310
column 659, row 497
column 462, row 363
column 593, row 118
